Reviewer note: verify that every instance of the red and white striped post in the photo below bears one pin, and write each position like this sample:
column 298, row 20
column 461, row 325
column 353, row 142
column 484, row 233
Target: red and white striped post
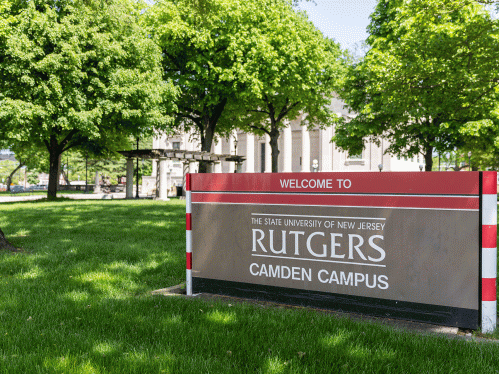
column 489, row 250
column 188, row 235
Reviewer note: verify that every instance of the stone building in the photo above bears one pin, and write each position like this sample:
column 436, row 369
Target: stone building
column 301, row 150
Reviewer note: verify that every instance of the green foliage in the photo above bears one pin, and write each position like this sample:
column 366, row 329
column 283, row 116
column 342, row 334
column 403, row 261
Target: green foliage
column 80, row 75
column 204, row 52
column 293, row 69
column 6, row 169
column 230, row 57
column 6, row 18
column 429, row 81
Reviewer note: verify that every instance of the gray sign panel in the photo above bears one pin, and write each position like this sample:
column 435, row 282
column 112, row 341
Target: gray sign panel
column 414, row 255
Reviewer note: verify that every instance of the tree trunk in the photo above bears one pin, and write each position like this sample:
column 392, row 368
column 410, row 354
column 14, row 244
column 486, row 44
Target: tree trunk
column 54, row 156
column 206, row 142
column 207, row 130
column 55, row 150
column 274, row 146
column 5, row 244
column 63, row 173
column 9, row 178
column 428, row 157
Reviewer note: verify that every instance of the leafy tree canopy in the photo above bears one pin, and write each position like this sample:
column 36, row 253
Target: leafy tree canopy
column 429, row 81
column 295, row 70
column 79, row 74
column 224, row 55
column 205, row 45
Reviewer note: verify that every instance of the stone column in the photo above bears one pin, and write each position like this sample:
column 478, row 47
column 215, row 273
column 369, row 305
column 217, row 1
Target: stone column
column 287, row 152
column 154, row 172
column 97, row 185
column 305, row 149
column 232, row 151
column 327, row 149
column 268, row 154
column 250, row 153
column 163, row 183
column 217, row 166
column 169, row 181
column 129, row 178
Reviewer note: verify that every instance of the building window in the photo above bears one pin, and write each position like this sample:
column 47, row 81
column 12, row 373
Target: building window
column 176, row 145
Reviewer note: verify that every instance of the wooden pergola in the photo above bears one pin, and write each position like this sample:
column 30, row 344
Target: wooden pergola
column 175, row 155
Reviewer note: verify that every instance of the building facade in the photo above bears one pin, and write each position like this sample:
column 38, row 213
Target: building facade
column 301, row 150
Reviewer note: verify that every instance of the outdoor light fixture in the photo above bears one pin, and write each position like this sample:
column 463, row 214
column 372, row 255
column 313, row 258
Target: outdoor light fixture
column 380, row 167
column 421, row 167
column 315, row 165
column 235, row 145
column 469, row 159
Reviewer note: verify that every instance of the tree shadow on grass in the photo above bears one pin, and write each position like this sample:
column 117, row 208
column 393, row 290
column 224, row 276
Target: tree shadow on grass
column 81, row 303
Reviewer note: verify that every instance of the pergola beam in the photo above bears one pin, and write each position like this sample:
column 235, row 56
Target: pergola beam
column 180, row 155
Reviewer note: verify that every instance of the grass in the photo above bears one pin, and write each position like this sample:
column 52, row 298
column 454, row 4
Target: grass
column 80, row 302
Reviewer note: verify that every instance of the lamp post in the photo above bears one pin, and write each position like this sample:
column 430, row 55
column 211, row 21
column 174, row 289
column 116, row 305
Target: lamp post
column 238, row 164
column 380, row 167
column 137, row 182
column 86, row 171
column 421, row 167
column 469, row 160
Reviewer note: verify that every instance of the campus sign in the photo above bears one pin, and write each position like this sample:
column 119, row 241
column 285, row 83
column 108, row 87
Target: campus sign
column 406, row 245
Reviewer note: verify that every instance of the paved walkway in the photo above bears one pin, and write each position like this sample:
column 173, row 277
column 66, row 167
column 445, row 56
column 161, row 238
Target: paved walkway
column 79, row 196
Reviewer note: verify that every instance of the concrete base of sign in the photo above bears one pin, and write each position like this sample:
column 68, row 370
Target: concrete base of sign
column 418, row 327
column 417, row 312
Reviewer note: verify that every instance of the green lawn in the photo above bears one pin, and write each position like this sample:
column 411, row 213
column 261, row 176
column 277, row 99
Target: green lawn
column 80, row 302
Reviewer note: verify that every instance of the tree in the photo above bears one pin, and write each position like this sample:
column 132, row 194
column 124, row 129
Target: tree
column 296, row 70
column 429, row 81
column 205, row 46
column 79, row 75
column 26, row 155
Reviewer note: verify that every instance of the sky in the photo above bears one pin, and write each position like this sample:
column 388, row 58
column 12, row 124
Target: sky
column 345, row 21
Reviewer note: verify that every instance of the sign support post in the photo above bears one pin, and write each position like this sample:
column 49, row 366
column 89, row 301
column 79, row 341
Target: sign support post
column 489, row 251
column 188, row 235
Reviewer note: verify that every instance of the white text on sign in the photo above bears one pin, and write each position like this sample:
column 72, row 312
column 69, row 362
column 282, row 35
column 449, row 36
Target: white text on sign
column 316, row 183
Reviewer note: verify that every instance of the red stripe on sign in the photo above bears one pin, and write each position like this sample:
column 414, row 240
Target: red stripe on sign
column 441, row 183
column 489, row 185
column 489, row 236
column 423, row 202
column 489, row 289
column 189, row 261
column 188, row 221
column 188, row 182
